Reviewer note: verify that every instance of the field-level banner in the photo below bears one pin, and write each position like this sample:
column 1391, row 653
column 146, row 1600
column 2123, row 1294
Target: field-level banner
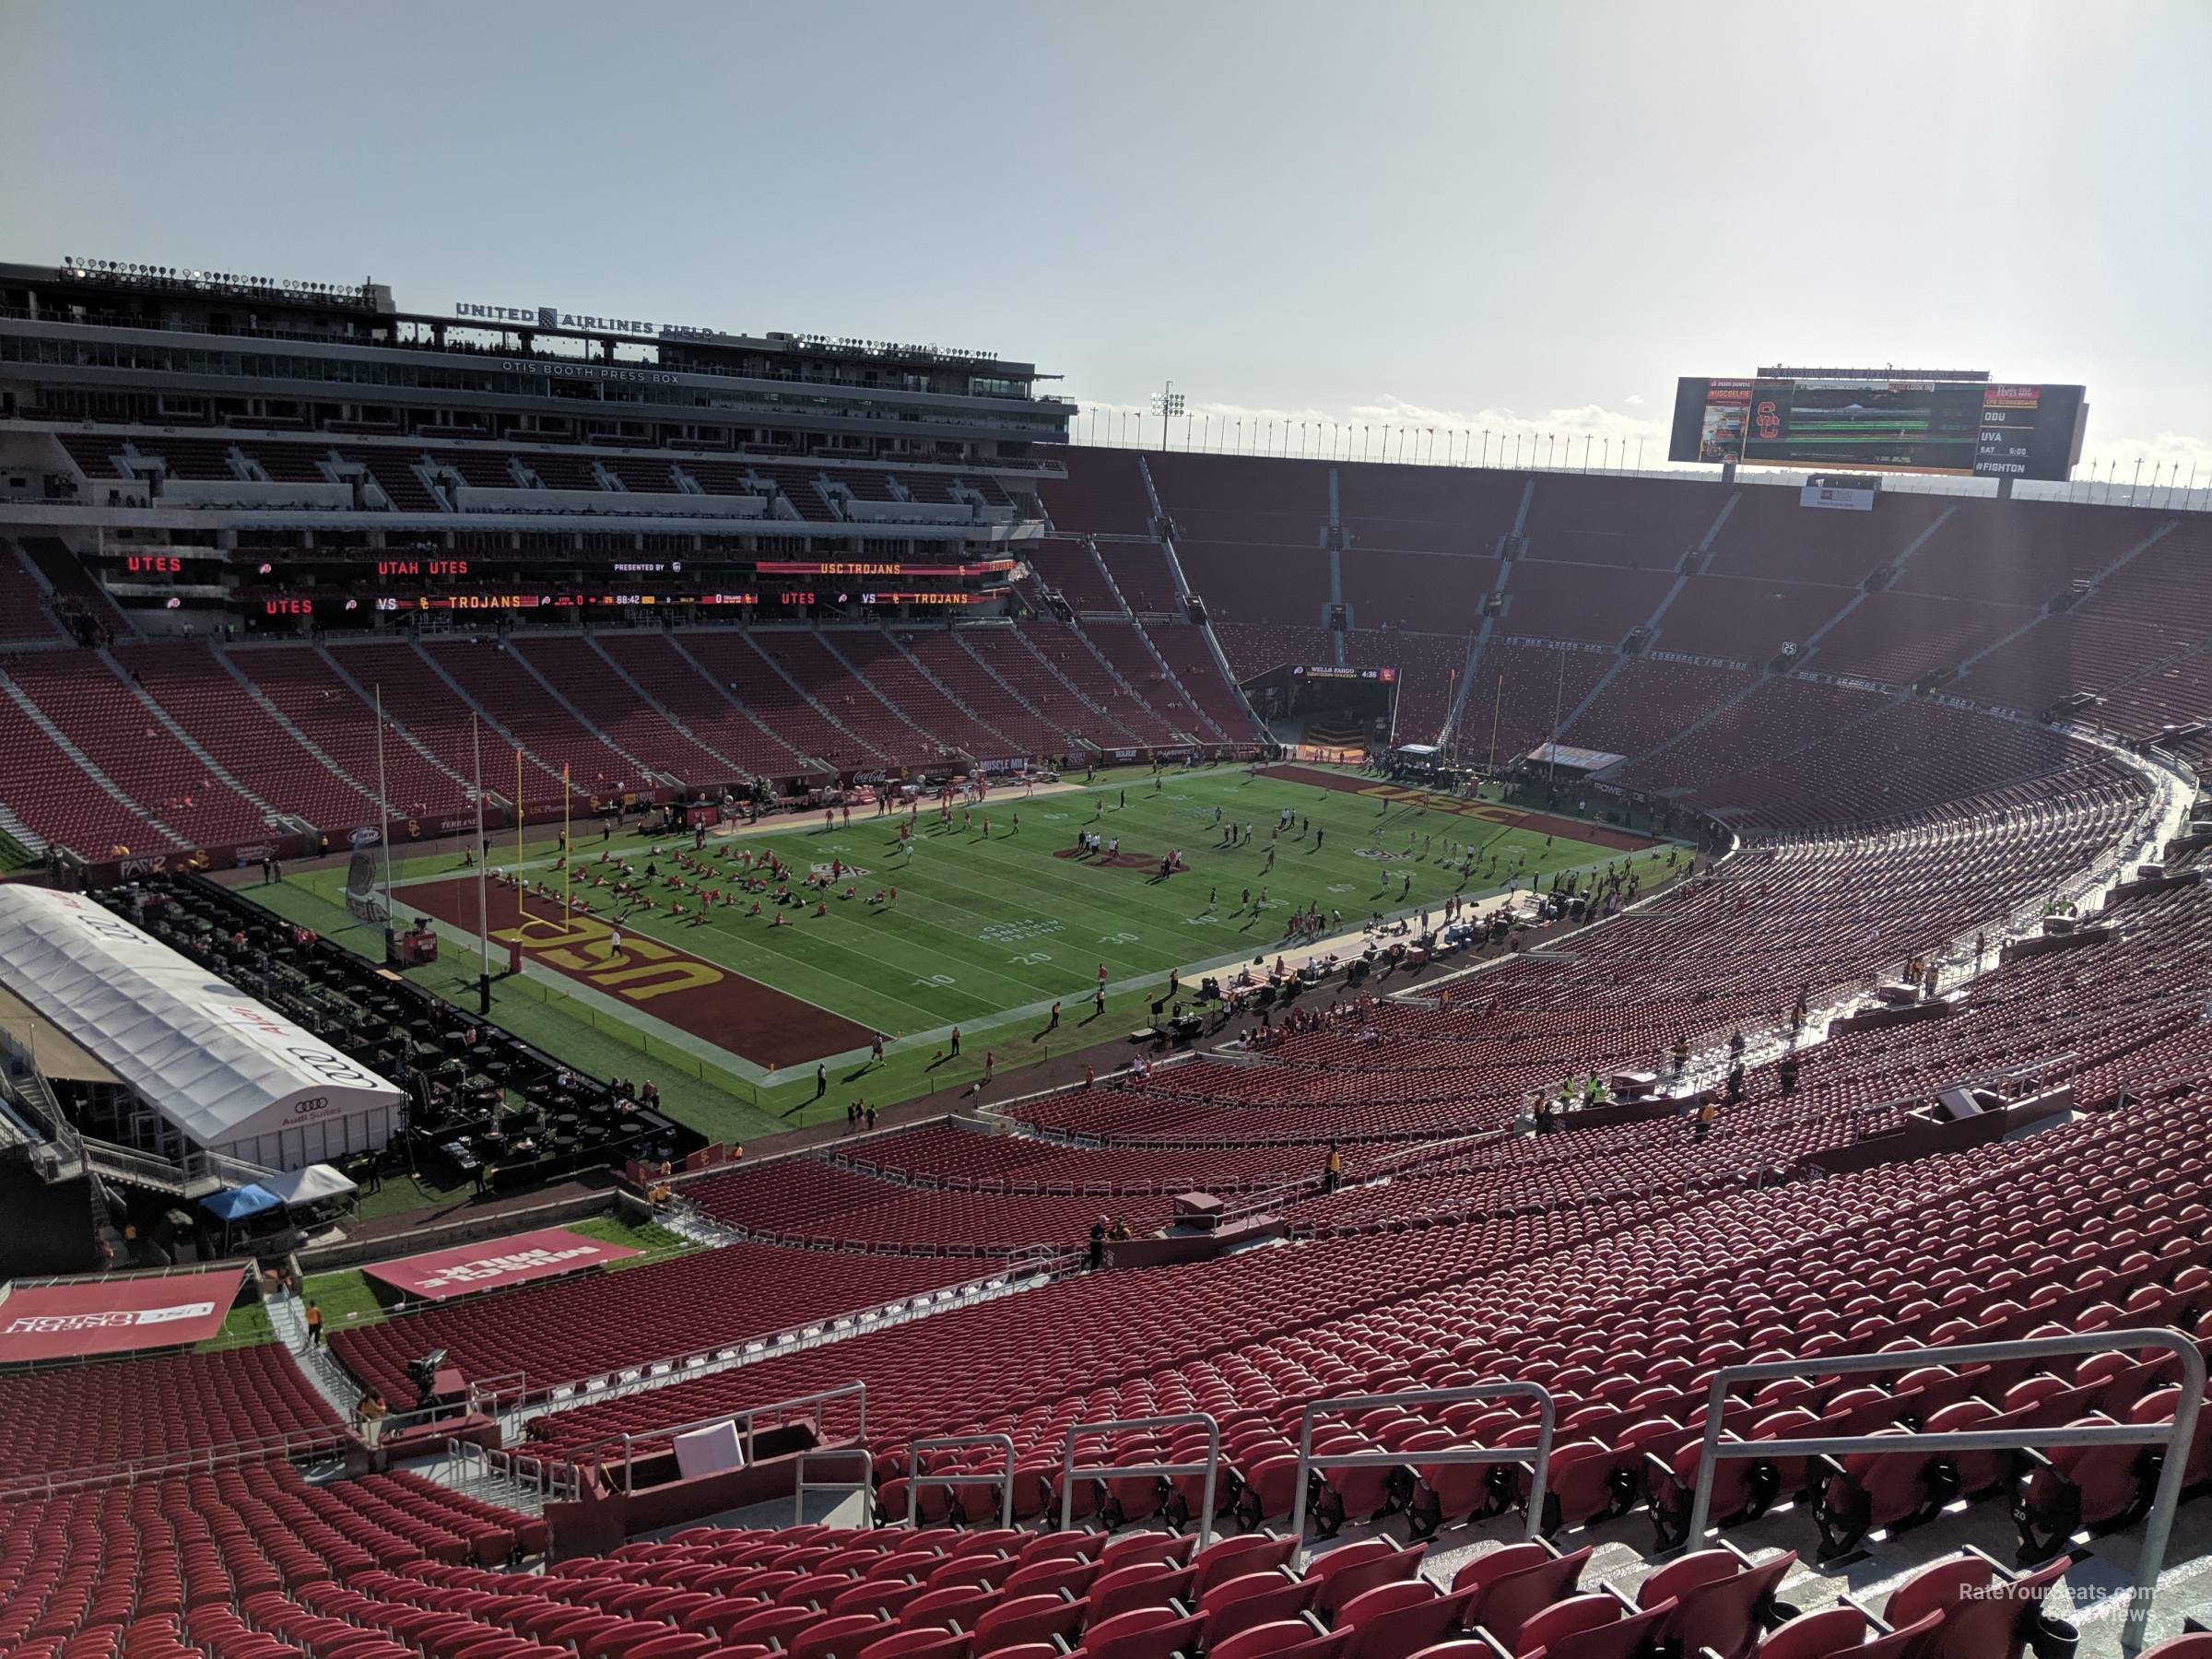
column 494, row 1264
column 113, row 1315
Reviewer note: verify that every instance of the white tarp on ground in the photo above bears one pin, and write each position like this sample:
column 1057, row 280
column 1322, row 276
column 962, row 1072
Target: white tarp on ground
column 230, row 1074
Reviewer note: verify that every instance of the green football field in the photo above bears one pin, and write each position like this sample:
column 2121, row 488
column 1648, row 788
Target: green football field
column 985, row 932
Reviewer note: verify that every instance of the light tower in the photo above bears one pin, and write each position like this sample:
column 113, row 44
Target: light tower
column 1167, row 403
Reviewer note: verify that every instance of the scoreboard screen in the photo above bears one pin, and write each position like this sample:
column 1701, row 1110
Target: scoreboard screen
column 1979, row 428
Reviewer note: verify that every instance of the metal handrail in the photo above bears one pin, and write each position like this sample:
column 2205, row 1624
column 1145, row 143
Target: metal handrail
column 463, row 1455
column 627, row 1439
column 1211, row 1469
column 476, row 1465
column 291, row 1443
column 224, row 1167
column 1546, row 1407
column 135, row 1163
column 801, row 1486
column 573, row 1392
column 491, row 1391
column 174, row 1270
column 550, row 1478
column 507, row 1467
column 35, row 1097
column 179, row 1463
column 915, row 1478
column 2175, row 1437
column 1000, row 1185
column 531, row 1473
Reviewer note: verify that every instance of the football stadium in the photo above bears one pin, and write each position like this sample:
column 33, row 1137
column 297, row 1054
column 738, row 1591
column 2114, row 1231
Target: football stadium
column 851, row 1010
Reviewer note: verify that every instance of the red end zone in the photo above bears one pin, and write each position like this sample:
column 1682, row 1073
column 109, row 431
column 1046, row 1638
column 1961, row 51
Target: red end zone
column 761, row 1023
column 494, row 1264
column 113, row 1315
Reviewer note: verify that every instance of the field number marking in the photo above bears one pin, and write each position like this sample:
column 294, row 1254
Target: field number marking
column 1008, row 932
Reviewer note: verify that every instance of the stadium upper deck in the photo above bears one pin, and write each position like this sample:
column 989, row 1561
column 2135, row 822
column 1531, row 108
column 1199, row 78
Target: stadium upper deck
column 189, row 406
column 293, row 333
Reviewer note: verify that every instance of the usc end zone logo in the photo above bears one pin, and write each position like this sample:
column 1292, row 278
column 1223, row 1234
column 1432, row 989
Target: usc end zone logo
column 640, row 970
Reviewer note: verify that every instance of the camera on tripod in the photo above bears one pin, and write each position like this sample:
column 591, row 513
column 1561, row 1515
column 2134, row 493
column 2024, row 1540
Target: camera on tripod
column 423, row 1373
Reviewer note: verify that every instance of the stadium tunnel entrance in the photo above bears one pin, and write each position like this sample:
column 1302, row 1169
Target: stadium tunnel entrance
column 1326, row 712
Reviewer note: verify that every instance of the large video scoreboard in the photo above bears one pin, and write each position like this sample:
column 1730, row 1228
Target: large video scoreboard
column 1971, row 426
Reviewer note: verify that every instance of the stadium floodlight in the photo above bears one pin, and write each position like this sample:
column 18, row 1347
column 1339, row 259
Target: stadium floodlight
column 1167, row 403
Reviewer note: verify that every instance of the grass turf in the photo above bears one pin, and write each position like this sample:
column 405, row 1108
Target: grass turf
column 985, row 932
column 14, row 854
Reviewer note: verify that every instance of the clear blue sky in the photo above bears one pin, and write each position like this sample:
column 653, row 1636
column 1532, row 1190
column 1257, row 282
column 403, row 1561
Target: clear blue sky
column 1534, row 212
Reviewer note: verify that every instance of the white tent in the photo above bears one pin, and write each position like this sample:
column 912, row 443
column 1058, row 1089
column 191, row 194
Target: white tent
column 231, row 1075
column 311, row 1184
